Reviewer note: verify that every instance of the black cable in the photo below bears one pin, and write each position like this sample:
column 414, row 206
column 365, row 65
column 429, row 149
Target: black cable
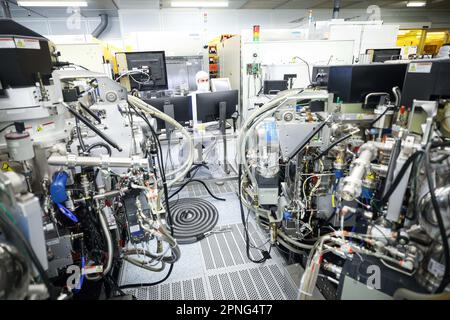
column 90, row 112
column 80, row 66
column 247, row 239
column 100, row 145
column 438, row 214
column 8, row 126
column 159, row 155
column 307, row 64
column 160, row 158
column 138, row 285
column 333, row 145
column 381, row 115
column 415, row 174
column 307, row 140
column 199, row 181
column 80, row 138
column 91, row 126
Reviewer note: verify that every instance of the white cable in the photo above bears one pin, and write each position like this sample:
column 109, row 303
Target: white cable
column 148, row 109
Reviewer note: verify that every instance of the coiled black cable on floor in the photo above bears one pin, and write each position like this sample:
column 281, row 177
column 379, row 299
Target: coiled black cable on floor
column 192, row 218
column 199, row 181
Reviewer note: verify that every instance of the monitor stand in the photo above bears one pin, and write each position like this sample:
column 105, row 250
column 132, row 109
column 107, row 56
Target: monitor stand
column 222, row 127
column 170, row 111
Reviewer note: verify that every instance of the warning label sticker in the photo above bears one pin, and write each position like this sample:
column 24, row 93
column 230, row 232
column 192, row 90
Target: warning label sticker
column 19, row 43
column 7, row 43
column 420, row 67
column 22, row 43
column 6, row 167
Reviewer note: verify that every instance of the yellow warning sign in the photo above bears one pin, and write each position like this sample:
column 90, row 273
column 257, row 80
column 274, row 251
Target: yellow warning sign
column 6, row 167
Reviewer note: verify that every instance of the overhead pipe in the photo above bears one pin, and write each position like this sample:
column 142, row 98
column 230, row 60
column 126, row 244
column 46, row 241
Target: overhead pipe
column 102, row 25
column 336, row 7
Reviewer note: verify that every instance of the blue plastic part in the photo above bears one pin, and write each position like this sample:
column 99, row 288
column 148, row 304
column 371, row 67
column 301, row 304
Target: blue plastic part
column 339, row 174
column 366, row 193
column 58, row 187
column 287, row 215
column 69, row 214
column 271, row 131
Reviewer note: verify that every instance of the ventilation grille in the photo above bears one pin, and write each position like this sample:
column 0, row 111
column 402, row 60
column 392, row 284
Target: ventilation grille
column 197, row 190
column 192, row 289
column 228, row 249
column 229, row 274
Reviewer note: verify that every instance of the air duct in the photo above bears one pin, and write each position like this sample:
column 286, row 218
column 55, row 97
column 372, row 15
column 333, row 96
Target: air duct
column 6, row 10
column 336, row 7
column 102, row 26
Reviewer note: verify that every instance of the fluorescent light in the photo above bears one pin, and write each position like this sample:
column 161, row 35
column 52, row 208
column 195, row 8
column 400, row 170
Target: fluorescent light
column 416, row 4
column 52, row 3
column 199, row 4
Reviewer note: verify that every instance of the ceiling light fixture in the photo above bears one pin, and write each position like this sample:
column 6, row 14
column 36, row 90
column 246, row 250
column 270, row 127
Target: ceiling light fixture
column 52, row 3
column 416, row 4
column 199, row 4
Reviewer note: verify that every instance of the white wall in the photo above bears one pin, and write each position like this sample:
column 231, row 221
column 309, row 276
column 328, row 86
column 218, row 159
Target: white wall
column 227, row 20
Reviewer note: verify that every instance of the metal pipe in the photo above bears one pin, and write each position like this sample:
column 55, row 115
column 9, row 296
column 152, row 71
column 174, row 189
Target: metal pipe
column 353, row 182
column 336, row 7
column 374, row 94
column 72, row 160
column 286, row 238
column 102, row 25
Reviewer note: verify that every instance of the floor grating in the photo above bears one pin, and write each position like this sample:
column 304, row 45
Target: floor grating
column 229, row 274
column 218, row 267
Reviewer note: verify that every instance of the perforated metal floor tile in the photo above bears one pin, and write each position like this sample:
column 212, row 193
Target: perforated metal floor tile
column 228, row 249
column 191, row 289
column 222, row 269
column 198, row 190
column 229, row 274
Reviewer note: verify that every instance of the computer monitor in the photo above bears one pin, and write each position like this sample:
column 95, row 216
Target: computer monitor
column 181, row 112
column 151, row 70
column 382, row 55
column 220, row 84
column 275, row 86
column 208, row 104
column 351, row 83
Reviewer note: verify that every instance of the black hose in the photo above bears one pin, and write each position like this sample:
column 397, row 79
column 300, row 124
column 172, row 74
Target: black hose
column 333, row 145
column 193, row 218
column 94, row 128
column 438, row 214
column 100, row 145
column 381, row 115
column 307, row 140
column 199, row 181
column 91, row 113
column 244, row 223
column 8, row 126
column 80, row 138
column 159, row 155
column 139, row 285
